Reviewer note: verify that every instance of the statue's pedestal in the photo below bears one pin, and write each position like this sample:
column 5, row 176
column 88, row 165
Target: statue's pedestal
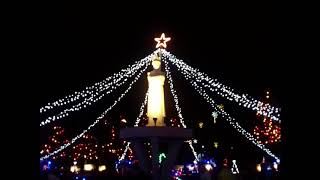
column 172, row 136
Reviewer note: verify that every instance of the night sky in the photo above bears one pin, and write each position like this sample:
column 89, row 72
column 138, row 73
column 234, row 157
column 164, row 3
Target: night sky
column 232, row 42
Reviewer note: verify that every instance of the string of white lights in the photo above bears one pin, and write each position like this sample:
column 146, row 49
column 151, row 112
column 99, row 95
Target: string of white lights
column 136, row 125
column 88, row 101
column 231, row 120
column 225, row 91
column 141, row 110
column 175, row 97
column 99, row 85
column 97, row 120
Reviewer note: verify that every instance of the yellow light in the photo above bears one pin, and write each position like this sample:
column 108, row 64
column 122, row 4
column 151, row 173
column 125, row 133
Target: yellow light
column 221, row 106
column 200, row 124
column 74, row 168
column 88, row 167
column 102, row 168
column 162, row 38
column 216, row 144
column 258, row 167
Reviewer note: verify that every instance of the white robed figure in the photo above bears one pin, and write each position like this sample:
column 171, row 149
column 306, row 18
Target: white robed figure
column 156, row 107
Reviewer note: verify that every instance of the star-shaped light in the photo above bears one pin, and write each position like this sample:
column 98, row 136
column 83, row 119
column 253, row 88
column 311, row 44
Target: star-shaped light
column 162, row 41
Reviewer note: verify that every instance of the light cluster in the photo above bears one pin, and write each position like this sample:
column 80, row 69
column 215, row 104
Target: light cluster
column 116, row 77
column 86, row 151
column 267, row 131
column 95, row 96
column 231, row 120
column 55, row 140
column 223, row 90
column 97, row 120
column 176, row 101
column 234, row 168
column 136, row 125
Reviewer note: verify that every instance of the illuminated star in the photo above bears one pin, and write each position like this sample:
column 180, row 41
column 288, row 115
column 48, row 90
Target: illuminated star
column 162, row 41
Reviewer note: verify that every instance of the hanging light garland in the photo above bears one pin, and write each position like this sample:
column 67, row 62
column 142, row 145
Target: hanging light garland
column 223, row 90
column 88, row 101
column 225, row 115
column 123, row 155
column 97, row 120
column 99, row 85
column 176, row 101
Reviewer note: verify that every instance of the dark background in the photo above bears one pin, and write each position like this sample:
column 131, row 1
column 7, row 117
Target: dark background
column 235, row 43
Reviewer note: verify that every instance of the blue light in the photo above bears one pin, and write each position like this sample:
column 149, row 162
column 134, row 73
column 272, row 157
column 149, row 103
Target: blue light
column 77, row 177
column 130, row 162
column 84, row 178
column 49, row 162
column 208, row 162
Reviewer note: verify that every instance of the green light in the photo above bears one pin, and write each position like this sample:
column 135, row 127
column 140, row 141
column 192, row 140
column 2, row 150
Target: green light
column 161, row 157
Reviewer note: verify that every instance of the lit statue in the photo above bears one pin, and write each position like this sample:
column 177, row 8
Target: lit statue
column 156, row 110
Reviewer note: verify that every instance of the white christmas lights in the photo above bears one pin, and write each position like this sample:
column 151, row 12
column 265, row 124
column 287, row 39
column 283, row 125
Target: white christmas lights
column 234, row 168
column 141, row 110
column 231, row 120
column 99, row 85
column 88, row 101
column 93, row 124
column 136, row 125
column 176, row 101
column 224, row 91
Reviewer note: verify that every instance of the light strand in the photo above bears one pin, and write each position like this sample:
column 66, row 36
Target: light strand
column 97, row 120
column 99, row 85
column 228, row 117
column 88, row 101
column 225, row 91
column 136, row 125
column 175, row 97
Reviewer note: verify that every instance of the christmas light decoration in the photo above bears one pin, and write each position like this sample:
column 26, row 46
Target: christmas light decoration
column 269, row 132
column 216, row 144
column 55, row 140
column 88, row 167
column 258, row 167
column 100, row 85
column 208, row 167
column 102, row 168
column 141, row 110
column 92, row 99
column 234, row 168
column 162, row 41
column 227, row 116
column 215, row 116
column 176, row 101
column 161, row 157
column 200, row 124
column 223, row 90
column 87, row 150
column 136, row 125
column 97, row 120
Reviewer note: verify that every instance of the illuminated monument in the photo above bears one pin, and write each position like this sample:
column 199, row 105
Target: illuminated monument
column 156, row 110
column 156, row 130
